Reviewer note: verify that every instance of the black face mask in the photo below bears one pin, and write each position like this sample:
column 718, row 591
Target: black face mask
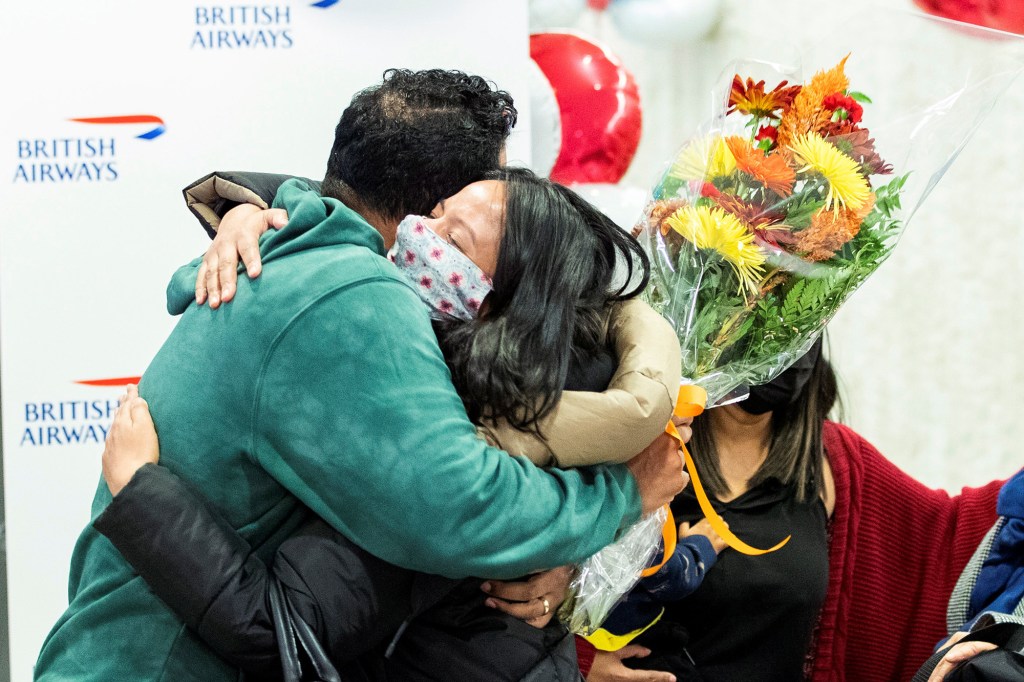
column 783, row 390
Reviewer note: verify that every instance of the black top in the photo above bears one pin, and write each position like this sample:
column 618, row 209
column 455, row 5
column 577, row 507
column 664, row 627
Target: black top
column 753, row 616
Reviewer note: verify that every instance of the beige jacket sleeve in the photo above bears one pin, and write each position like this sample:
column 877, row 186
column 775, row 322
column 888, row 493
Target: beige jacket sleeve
column 593, row 428
column 204, row 196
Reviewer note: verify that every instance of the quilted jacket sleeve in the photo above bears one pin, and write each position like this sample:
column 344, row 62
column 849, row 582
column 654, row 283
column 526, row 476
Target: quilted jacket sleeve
column 213, row 195
column 206, row 573
column 587, row 427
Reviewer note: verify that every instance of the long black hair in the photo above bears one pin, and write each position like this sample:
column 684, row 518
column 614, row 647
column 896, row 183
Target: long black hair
column 795, row 450
column 558, row 261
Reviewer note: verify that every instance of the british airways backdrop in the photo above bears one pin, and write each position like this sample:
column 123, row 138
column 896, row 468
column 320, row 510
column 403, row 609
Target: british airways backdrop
column 110, row 108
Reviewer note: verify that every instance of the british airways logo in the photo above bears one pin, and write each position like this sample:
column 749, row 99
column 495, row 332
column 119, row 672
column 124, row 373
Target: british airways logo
column 146, row 119
column 227, row 27
column 242, row 27
column 72, row 422
column 85, row 158
column 120, row 382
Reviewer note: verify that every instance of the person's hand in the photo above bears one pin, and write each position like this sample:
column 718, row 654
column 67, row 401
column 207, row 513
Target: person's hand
column 703, row 527
column 954, row 638
column 608, row 667
column 131, row 441
column 534, row 600
column 237, row 236
column 956, row 655
column 659, row 472
column 684, row 427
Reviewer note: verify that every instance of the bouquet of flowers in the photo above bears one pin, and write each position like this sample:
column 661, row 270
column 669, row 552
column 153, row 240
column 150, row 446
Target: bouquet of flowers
column 759, row 231
column 756, row 234
column 763, row 225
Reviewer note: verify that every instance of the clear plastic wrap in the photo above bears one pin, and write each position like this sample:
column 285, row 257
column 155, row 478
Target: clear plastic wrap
column 602, row 580
column 795, row 191
column 784, row 203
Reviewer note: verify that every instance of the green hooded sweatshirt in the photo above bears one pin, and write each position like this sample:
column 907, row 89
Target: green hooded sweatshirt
column 322, row 386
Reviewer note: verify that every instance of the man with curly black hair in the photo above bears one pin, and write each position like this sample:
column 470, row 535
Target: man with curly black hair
column 416, row 138
column 322, row 388
column 400, row 147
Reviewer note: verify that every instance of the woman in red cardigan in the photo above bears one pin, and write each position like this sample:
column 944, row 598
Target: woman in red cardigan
column 860, row 591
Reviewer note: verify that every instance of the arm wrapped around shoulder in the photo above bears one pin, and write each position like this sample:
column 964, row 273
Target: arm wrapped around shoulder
column 591, row 428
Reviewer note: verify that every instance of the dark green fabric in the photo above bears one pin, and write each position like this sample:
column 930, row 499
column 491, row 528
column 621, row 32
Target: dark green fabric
column 322, row 384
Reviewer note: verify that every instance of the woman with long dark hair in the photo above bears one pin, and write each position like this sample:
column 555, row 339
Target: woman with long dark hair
column 532, row 293
column 858, row 593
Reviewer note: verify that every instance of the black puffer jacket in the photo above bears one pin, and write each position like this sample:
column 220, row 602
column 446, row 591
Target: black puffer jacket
column 353, row 601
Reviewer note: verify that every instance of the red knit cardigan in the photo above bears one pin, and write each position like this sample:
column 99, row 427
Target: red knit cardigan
column 896, row 549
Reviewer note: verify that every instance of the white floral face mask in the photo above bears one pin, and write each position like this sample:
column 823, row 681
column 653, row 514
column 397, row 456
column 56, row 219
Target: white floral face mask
column 445, row 278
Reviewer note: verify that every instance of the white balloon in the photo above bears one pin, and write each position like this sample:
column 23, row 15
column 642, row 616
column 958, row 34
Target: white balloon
column 545, row 123
column 624, row 204
column 665, row 23
column 545, row 14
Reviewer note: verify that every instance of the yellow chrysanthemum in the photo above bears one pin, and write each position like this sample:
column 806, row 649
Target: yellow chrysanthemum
column 705, row 158
column 847, row 187
column 713, row 228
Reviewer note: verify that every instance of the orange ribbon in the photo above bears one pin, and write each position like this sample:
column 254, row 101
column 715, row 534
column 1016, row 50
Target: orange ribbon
column 690, row 403
column 669, row 538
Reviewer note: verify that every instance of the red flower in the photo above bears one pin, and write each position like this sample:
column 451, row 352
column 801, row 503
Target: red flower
column 455, row 279
column 436, row 253
column 420, row 227
column 767, row 137
column 778, row 238
column 753, row 214
column 426, row 282
column 410, row 257
column 473, row 304
column 838, row 102
column 861, row 147
column 446, row 306
column 709, row 190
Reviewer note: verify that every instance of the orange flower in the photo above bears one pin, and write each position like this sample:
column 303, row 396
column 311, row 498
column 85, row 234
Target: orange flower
column 829, row 230
column 750, row 98
column 772, row 170
column 660, row 210
column 807, row 114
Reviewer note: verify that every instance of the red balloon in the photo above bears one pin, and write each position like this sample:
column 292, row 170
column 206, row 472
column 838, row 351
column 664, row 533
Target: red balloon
column 1005, row 15
column 599, row 103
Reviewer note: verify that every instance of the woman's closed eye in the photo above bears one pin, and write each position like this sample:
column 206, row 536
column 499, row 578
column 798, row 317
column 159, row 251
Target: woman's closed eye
column 454, row 242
